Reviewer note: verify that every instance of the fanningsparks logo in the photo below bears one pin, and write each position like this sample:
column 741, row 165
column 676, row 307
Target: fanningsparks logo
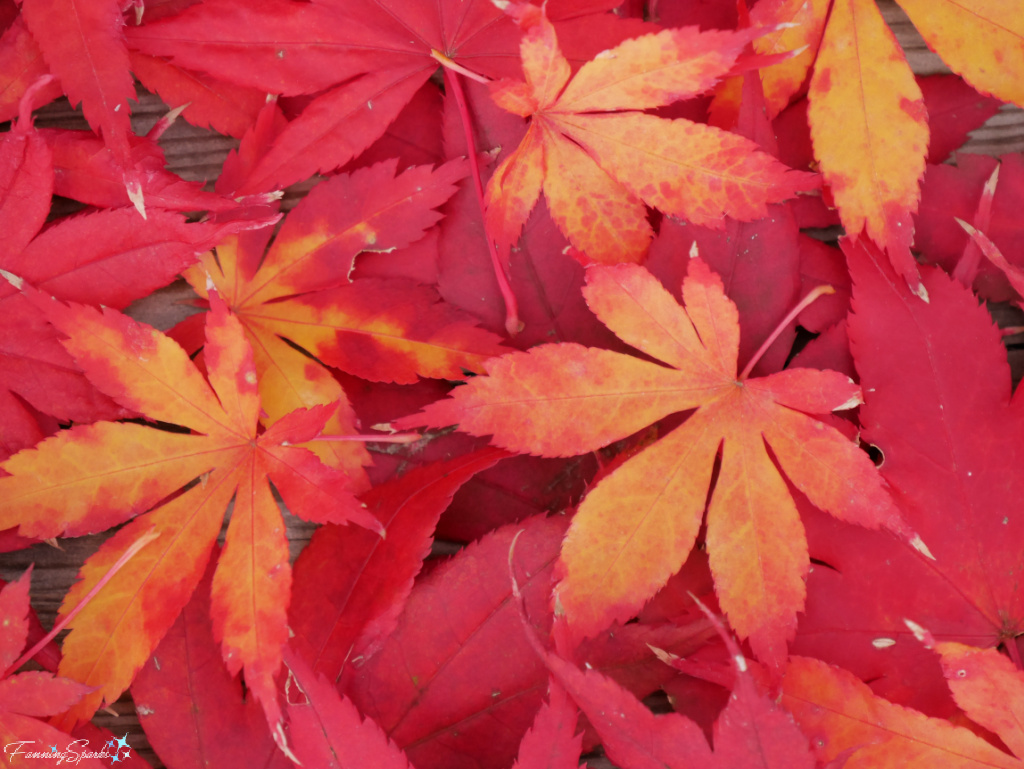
column 116, row 750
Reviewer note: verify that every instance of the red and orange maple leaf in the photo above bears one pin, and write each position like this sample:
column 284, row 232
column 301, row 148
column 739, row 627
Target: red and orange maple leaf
column 635, row 528
column 840, row 714
column 90, row 478
column 598, row 164
column 867, row 116
column 300, row 293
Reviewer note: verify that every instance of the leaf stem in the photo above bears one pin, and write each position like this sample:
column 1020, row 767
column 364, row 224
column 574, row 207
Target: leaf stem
column 801, row 305
column 452, row 65
column 512, row 323
column 126, row 556
column 396, row 438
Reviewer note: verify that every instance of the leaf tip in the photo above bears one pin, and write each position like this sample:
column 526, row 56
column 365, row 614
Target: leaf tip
column 13, row 279
column 920, row 633
column 134, row 189
column 918, row 544
column 662, row 655
column 282, row 743
column 855, row 400
column 969, row 229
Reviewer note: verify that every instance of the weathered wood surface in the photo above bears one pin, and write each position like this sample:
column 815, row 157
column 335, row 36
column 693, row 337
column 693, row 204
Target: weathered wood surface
column 197, row 155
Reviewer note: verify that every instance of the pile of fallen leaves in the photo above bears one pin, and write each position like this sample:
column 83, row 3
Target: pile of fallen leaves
column 553, row 299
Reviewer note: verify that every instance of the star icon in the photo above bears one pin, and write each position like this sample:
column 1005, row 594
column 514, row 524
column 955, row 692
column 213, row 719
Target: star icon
column 53, row 748
column 123, row 742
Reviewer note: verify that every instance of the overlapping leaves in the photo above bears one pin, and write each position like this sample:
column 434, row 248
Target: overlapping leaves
column 636, row 527
column 90, row 478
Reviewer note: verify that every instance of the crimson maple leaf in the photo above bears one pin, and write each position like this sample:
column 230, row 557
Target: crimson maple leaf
column 28, row 696
column 109, row 257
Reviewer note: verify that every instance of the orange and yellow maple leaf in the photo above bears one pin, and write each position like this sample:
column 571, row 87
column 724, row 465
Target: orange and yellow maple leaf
column 92, row 477
column 870, row 129
column 636, row 527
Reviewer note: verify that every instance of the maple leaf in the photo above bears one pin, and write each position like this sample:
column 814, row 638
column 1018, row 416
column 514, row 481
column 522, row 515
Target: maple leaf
column 952, row 30
column 867, row 117
column 985, row 192
column 371, row 57
column 798, row 24
column 21, row 65
column 551, row 743
column 83, row 44
column 225, row 107
column 750, row 732
column 328, row 726
column 108, row 257
column 350, row 585
column 192, row 710
column 635, row 528
column 424, row 686
column 988, row 686
column 940, row 409
column 838, row 713
column 598, row 164
column 381, row 330
column 24, row 697
column 123, row 470
column 874, row 162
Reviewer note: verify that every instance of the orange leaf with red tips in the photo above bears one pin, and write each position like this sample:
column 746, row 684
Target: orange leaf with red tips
column 797, row 24
column 870, row 129
column 989, row 688
column 598, row 164
column 838, row 712
column 635, row 528
column 90, row 478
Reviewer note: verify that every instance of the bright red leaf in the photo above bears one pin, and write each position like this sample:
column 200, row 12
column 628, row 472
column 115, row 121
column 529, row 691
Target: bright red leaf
column 83, row 44
column 191, row 708
column 26, row 696
column 939, row 409
column 351, row 585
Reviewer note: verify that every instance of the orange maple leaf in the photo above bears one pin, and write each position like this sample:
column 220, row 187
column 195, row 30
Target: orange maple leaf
column 597, row 163
column 636, row 527
column 92, row 477
column 870, row 130
column 866, row 112
column 988, row 686
column 839, row 713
